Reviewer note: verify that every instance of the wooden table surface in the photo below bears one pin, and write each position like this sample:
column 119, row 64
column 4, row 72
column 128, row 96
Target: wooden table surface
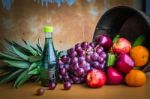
column 77, row 92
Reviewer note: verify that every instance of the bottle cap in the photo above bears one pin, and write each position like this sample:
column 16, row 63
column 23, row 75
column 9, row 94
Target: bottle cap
column 48, row 29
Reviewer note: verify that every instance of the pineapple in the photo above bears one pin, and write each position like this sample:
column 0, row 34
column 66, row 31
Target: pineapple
column 22, row 62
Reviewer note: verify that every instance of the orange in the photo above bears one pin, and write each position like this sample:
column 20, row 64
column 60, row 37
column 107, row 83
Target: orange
column 135, row 78
column 140, row 55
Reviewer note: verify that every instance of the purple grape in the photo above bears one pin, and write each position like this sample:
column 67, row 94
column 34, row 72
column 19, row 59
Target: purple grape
column 68, row 60
column 90, row 52
column 67, row 66
column 80, row 71
column 92, row 44
column 87, row 68
column 66, row 77
column 75, row 79
column 67, row 85
column 81, row 58
column 105, row 41
column 92, row 68
column 88, row 58
column 88, row 64
column 102, row 66
column 75, row 66
column 94, row 56
column 52, row 85
column 103, row 54
column 63, row 71
column 84, row 45
column 78, row 82
column 84, row 74
column 96, row 64
column 60, row 62
column 81, row 53
column 89, row 48
column 71, row 81
column 73, row 54
column 74, row 60
column 61, row 66
column 82, row 63
column 65, row 59
column 100, row 60
column 78, row 45
column 99, row 49
column 82, row 79
column 71, row 50
column 78, row 48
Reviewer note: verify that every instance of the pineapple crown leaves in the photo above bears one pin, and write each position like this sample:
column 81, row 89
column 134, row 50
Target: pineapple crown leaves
column 23, row 62
column 10, row 76
column 24, row 76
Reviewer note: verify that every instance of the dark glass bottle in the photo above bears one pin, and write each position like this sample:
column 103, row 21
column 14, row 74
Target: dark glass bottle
column 48, row 68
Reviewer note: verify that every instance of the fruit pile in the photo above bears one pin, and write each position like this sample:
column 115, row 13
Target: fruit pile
column 104, row 61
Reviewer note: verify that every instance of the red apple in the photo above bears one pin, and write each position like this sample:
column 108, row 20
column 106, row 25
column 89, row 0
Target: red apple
column 114, row 77
column 96, row 78
column 121, row 46
column 124, row 63
column 105, row 41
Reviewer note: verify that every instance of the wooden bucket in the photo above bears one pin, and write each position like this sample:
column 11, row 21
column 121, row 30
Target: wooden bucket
column 126, row 21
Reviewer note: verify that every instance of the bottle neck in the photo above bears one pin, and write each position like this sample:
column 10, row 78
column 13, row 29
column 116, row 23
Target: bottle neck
column 48, row 35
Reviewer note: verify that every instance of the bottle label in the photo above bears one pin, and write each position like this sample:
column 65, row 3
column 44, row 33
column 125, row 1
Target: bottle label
column 48, row 75
column 51, row 74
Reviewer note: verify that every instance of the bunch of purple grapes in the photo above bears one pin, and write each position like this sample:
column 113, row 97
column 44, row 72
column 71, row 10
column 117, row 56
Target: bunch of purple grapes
column 79, row 60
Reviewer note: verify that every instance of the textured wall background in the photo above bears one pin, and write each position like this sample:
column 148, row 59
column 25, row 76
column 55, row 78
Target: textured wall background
column 72, row 24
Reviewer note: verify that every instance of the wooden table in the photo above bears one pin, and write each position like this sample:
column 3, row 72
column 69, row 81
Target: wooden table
column 77, row 92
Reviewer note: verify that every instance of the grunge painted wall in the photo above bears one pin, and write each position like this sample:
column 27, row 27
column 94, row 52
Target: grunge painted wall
column 72, row 24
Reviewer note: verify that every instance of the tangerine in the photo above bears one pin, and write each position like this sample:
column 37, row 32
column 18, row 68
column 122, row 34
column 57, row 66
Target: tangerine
column 135, row 78
column 140, row 55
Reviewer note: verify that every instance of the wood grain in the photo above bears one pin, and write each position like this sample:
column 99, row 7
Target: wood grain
column 77, row 92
